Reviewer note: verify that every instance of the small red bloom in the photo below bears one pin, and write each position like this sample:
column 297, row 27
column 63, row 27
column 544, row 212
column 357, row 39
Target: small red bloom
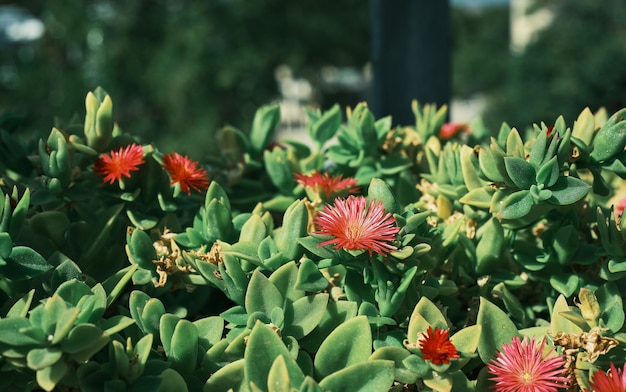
column 619, row 208
column 450, row 130
column 327, row 184
column 437, row 347
column 356, row 226
column 118, row 164
column 612, row 381
column 185, row 172
column 522, row 366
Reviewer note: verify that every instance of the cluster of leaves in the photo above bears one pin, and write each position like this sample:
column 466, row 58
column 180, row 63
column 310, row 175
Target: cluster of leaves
column 237, row 291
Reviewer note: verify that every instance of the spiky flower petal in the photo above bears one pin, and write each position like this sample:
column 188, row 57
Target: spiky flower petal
column 327, row 185
column 437, row 347
column 118, row 164
column 522, row 366
column 355, row 225
column 612, row 381
column 185, row 172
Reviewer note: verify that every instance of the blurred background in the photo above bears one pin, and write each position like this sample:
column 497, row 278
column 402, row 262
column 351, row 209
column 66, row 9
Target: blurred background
column 178, row 70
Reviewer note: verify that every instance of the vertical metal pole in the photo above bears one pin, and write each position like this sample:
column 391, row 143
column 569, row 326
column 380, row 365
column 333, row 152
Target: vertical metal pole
column 411, row 56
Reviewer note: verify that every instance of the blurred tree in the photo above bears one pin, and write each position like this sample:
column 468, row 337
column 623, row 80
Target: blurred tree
column 578, row 61
column 480, row 48
column 178, row 69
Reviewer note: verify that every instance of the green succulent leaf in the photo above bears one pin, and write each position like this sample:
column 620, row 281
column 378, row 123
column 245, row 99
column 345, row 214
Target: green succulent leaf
column 262, row 295
column 49, row 376
column 265, row 121
column 521, row 172
column 517, row 205
column 230, row 377
column 40, row 358
column 262, row 349
column 374, row 375
column 497, row 329
column 568, row 190
column 349, row 344
column 304, row 315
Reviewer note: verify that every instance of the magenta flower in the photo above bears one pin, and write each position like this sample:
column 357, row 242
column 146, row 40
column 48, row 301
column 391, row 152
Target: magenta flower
column 356, row 226
column 612, row 381
column 522, row 366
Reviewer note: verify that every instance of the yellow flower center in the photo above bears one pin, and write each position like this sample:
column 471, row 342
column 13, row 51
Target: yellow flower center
column 527, row 378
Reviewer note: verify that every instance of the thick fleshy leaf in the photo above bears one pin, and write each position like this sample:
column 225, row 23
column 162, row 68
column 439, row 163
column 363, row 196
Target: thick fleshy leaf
column 497, row 329
column 284, row 279
column 517, row 205
column 10, row 332
column 229, row 377
column 48, row 377
column 521, row 172
column 375, row 375
column 337, row 313
column 568, row 190
column 560, row 323
column 478, row 197
column 262, row 295
column 265, row 121
column 278, row 377
column 24, row 263
column 304, row 315
column 39, row 358
column 349, row 344
column 611, row 303
column 183, row 351
column 425, row 314
column 210, row 330
column 262, row 349
column 309, row 277
column 396, row 354
column 325, row 127
column 564, row 283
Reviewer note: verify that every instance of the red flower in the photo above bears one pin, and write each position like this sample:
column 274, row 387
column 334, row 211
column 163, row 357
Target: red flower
column 523, row 367
column 120, row 163
column 612, row 381
column 356, row 226
column 449, row 130
column 436, row 347
column 327, row 184
column 185, row 172
column 621, row 205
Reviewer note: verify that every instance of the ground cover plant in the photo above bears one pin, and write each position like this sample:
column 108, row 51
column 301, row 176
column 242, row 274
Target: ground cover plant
column 378, row 257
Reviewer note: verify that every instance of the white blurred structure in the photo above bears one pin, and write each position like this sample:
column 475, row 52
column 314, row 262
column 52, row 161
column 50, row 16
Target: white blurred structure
column 524, row 25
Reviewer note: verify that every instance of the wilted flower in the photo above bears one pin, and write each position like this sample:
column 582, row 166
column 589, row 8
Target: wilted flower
column 324, row 183
column 612, row 381
column 356, row 226
column 522, row 366
column 437, row 347
column 118, row 164
column 185, row 172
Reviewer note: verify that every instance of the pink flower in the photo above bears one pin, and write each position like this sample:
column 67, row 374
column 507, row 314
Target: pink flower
column 522, row 366
column 437, row 347
column 185, row 172
column 326, row 184
column 356, row 226
column 119, row 164
column 612, row 381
